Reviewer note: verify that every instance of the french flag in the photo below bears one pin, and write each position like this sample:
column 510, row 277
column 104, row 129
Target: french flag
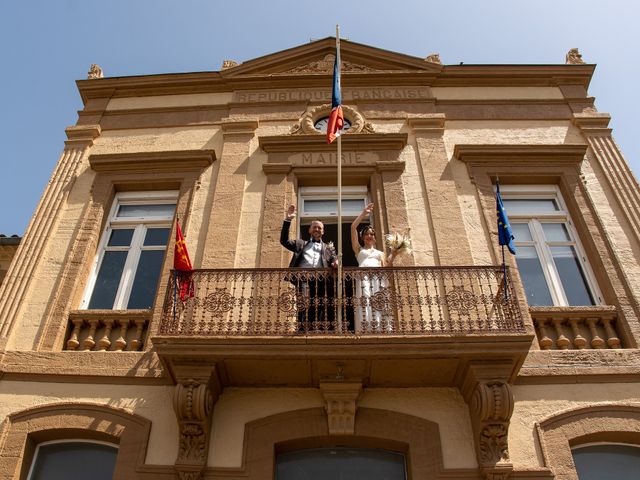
column 336, row 118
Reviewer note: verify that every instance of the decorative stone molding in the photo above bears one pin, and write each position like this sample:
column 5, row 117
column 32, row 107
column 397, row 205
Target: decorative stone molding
column 95, row 72
column 240, row 126
column 197, row 390
column 229, row 64
column 306, row 124
column 81, row 136
column 574, row 57
column 326, row 66
column 341, row 404
column 432, row 123
column 598, row 423
column 157, row 161
column 490, row 399
column 434, row 58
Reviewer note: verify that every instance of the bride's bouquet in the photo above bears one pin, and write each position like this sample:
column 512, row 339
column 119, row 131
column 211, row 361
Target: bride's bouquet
column 399, row 243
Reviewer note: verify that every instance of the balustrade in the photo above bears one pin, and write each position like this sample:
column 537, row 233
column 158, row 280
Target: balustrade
column 107, row 330
column 376, row 301
column 570, row 328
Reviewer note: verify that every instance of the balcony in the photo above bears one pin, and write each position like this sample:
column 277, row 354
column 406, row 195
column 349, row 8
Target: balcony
column 415, row 326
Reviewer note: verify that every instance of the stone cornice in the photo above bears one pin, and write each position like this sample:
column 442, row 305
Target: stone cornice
column 318, row 143
column 455, row 75
column 276, row 168
column 158, row 161
column 491, row 153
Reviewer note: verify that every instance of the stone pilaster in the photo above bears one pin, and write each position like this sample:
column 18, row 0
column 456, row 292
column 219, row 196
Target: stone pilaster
column 451, row 244
column 278, row 195
column 18, row 278
column 624, row 186
column 229, row 193
column 488, row 394
column 196, row 392
column 340, row 404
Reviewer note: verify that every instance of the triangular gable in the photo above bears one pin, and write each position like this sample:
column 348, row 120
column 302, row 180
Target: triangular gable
column 317, row 58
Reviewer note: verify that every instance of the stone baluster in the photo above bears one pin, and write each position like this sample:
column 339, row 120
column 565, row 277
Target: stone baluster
column 578, row 340
column 121, row 342
column 562, row 342
column 73, row 343
column 612, row 339
column 545, row 342
column 105, row 342
column 136, row 343
column 89, row 342
column 596, row 341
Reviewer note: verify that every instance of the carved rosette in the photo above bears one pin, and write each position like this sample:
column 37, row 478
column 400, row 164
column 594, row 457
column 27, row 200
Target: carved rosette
column 306, row 124
column 193, row 404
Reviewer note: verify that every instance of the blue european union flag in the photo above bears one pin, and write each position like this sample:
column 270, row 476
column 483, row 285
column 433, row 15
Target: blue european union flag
column 505, row 235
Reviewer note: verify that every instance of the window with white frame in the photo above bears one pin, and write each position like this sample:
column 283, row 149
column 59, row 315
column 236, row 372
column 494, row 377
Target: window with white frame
column 131, row 251
column 74, row 459
column 551, row 262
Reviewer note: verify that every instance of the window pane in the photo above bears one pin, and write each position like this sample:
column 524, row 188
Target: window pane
column 339, row 463
column 515, row 206
column 330, row 206
column 126, row 211
column 555, row 232
column 74, row 461
column 521, row 232
column 120, row 238
column 156, row 236
column 572, row 276
column 106, row 287
column 146, row 280
column 535, row 285
column 598, row 462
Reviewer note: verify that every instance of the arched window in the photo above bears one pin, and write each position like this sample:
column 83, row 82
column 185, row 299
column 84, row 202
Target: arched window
column 341, row 462
column 73, row 460
column 600, row 461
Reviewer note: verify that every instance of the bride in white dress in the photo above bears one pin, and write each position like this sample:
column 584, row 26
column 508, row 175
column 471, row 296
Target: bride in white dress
column 367, row 318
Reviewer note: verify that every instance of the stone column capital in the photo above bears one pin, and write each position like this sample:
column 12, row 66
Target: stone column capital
column 81, row 136
column 427, row 124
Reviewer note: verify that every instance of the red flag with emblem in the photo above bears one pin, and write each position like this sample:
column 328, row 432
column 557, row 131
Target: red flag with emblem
column 182, row 267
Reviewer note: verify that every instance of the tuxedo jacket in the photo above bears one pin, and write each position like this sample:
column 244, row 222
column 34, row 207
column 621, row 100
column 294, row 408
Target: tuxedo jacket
column 327, row 254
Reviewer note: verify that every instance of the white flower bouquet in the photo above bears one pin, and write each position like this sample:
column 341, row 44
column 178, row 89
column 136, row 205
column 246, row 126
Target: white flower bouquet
column 398, row 243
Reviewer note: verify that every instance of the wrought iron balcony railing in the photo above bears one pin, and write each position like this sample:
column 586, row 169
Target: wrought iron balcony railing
column 375, row 301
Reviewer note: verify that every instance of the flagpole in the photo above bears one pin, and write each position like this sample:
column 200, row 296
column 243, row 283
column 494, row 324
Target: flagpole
column 339, row 163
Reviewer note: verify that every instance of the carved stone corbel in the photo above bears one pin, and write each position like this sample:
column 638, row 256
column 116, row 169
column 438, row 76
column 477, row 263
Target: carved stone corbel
column 491, row 407
column 193, row 402
column 486, row 389
column 341, row 403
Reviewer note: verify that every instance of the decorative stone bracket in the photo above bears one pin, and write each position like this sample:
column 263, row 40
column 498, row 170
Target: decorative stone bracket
column 193, row 402
column 341, row 403
column 490, row 403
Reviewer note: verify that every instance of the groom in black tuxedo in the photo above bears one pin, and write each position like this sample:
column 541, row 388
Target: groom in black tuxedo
column 316, row 292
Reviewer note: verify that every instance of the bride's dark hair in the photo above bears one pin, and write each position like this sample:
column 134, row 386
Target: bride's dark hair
column 364, row 230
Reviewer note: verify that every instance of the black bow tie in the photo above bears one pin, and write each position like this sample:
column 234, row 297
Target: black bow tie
column 316, row 241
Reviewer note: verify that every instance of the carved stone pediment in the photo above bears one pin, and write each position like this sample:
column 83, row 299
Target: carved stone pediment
column 326, row 66
column 318, row 57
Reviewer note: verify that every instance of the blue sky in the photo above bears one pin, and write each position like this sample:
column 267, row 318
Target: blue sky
column 46, row 45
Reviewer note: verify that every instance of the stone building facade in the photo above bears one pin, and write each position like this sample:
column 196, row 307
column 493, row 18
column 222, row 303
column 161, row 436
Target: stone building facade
column 467, row 379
